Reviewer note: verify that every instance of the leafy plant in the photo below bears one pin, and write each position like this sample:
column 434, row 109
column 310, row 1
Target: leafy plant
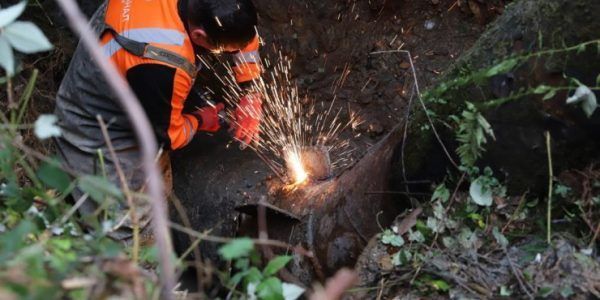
column 22, row 36
column 472, row 133
column 249, row 281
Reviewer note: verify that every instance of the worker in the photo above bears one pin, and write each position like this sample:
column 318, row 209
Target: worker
column 154, row 44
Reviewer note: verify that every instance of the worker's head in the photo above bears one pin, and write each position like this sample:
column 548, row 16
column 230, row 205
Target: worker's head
column 222, row 25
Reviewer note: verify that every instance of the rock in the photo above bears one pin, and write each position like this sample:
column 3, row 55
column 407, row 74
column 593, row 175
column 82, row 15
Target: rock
column 429, row 24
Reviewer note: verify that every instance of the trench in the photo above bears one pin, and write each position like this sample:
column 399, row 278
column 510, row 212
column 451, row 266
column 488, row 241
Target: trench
column 220, row 185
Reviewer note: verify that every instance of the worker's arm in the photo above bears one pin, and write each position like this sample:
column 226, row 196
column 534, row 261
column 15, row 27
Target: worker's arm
column 162, row 91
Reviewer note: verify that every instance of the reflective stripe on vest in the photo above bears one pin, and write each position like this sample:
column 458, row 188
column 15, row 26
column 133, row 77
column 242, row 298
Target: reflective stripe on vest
column 241, row 58
column 146, row 35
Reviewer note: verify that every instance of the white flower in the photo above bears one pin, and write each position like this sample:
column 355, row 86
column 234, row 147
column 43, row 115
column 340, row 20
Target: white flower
column 45, row 127
column 587, row 98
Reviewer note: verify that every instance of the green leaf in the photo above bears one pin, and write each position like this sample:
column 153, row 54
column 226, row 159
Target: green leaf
column 500, row 238
column 388, row 237
column 467, row 238
column 7, row 59
column 441, row 193
column 502, row 67
column 253, row 276
column 14, row 239
column 237, row 248
column 440, row 285
column 276, row 264
column 549, row 95
column 505, row 292
column 545, row 291
column 26, row 37
column 435, row 225
column 242, row 264
column 237, row 278
column 291, row 291
column 402, row 257
column 541, row 89
column 566, row 292
column 149, row 255
column 449, row 242
column 415, row 236
column 562, row 190
column 99, row 188
column 10, row 14
column 52, row 176
column 270, row 289
column 479, row 195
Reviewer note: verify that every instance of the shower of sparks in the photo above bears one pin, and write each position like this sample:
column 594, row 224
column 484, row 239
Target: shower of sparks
column 288, row 126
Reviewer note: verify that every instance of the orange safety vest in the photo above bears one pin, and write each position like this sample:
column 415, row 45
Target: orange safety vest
column 151, row 32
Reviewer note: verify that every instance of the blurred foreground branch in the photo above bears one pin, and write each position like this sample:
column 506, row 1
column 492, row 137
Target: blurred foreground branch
column 144, row 134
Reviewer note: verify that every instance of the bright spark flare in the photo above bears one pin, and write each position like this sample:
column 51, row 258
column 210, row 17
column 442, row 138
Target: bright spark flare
column 294, row 161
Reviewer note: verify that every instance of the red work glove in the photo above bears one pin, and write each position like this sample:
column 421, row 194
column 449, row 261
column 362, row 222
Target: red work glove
column 208, row 118
column 247, row 118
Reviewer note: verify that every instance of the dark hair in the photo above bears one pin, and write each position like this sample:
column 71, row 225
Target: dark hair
column 226, row 22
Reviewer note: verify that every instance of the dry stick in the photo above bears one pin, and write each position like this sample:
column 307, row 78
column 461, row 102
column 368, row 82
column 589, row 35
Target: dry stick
column 412, row 67
column 145, row 136
column 596, row 233
column 186, row 222
column 9, row 92
column 550, row 182
column 217, row 239
column 125, row 187
column 404, row 136
column 514, row 214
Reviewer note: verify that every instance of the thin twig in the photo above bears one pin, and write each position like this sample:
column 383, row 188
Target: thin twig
column 412, row 67
column 9, row 93
column 515, row 213
column 550, row 183
column 394, row 193
column 596, row 233
column 186, row 222
column 460, row 181
column 405, row 134
column 143, row 132
column 125, row 187
column 217, row 239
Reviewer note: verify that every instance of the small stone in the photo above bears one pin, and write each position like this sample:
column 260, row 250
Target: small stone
column 429, row 24
column 405, row 65
column 435, row 2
